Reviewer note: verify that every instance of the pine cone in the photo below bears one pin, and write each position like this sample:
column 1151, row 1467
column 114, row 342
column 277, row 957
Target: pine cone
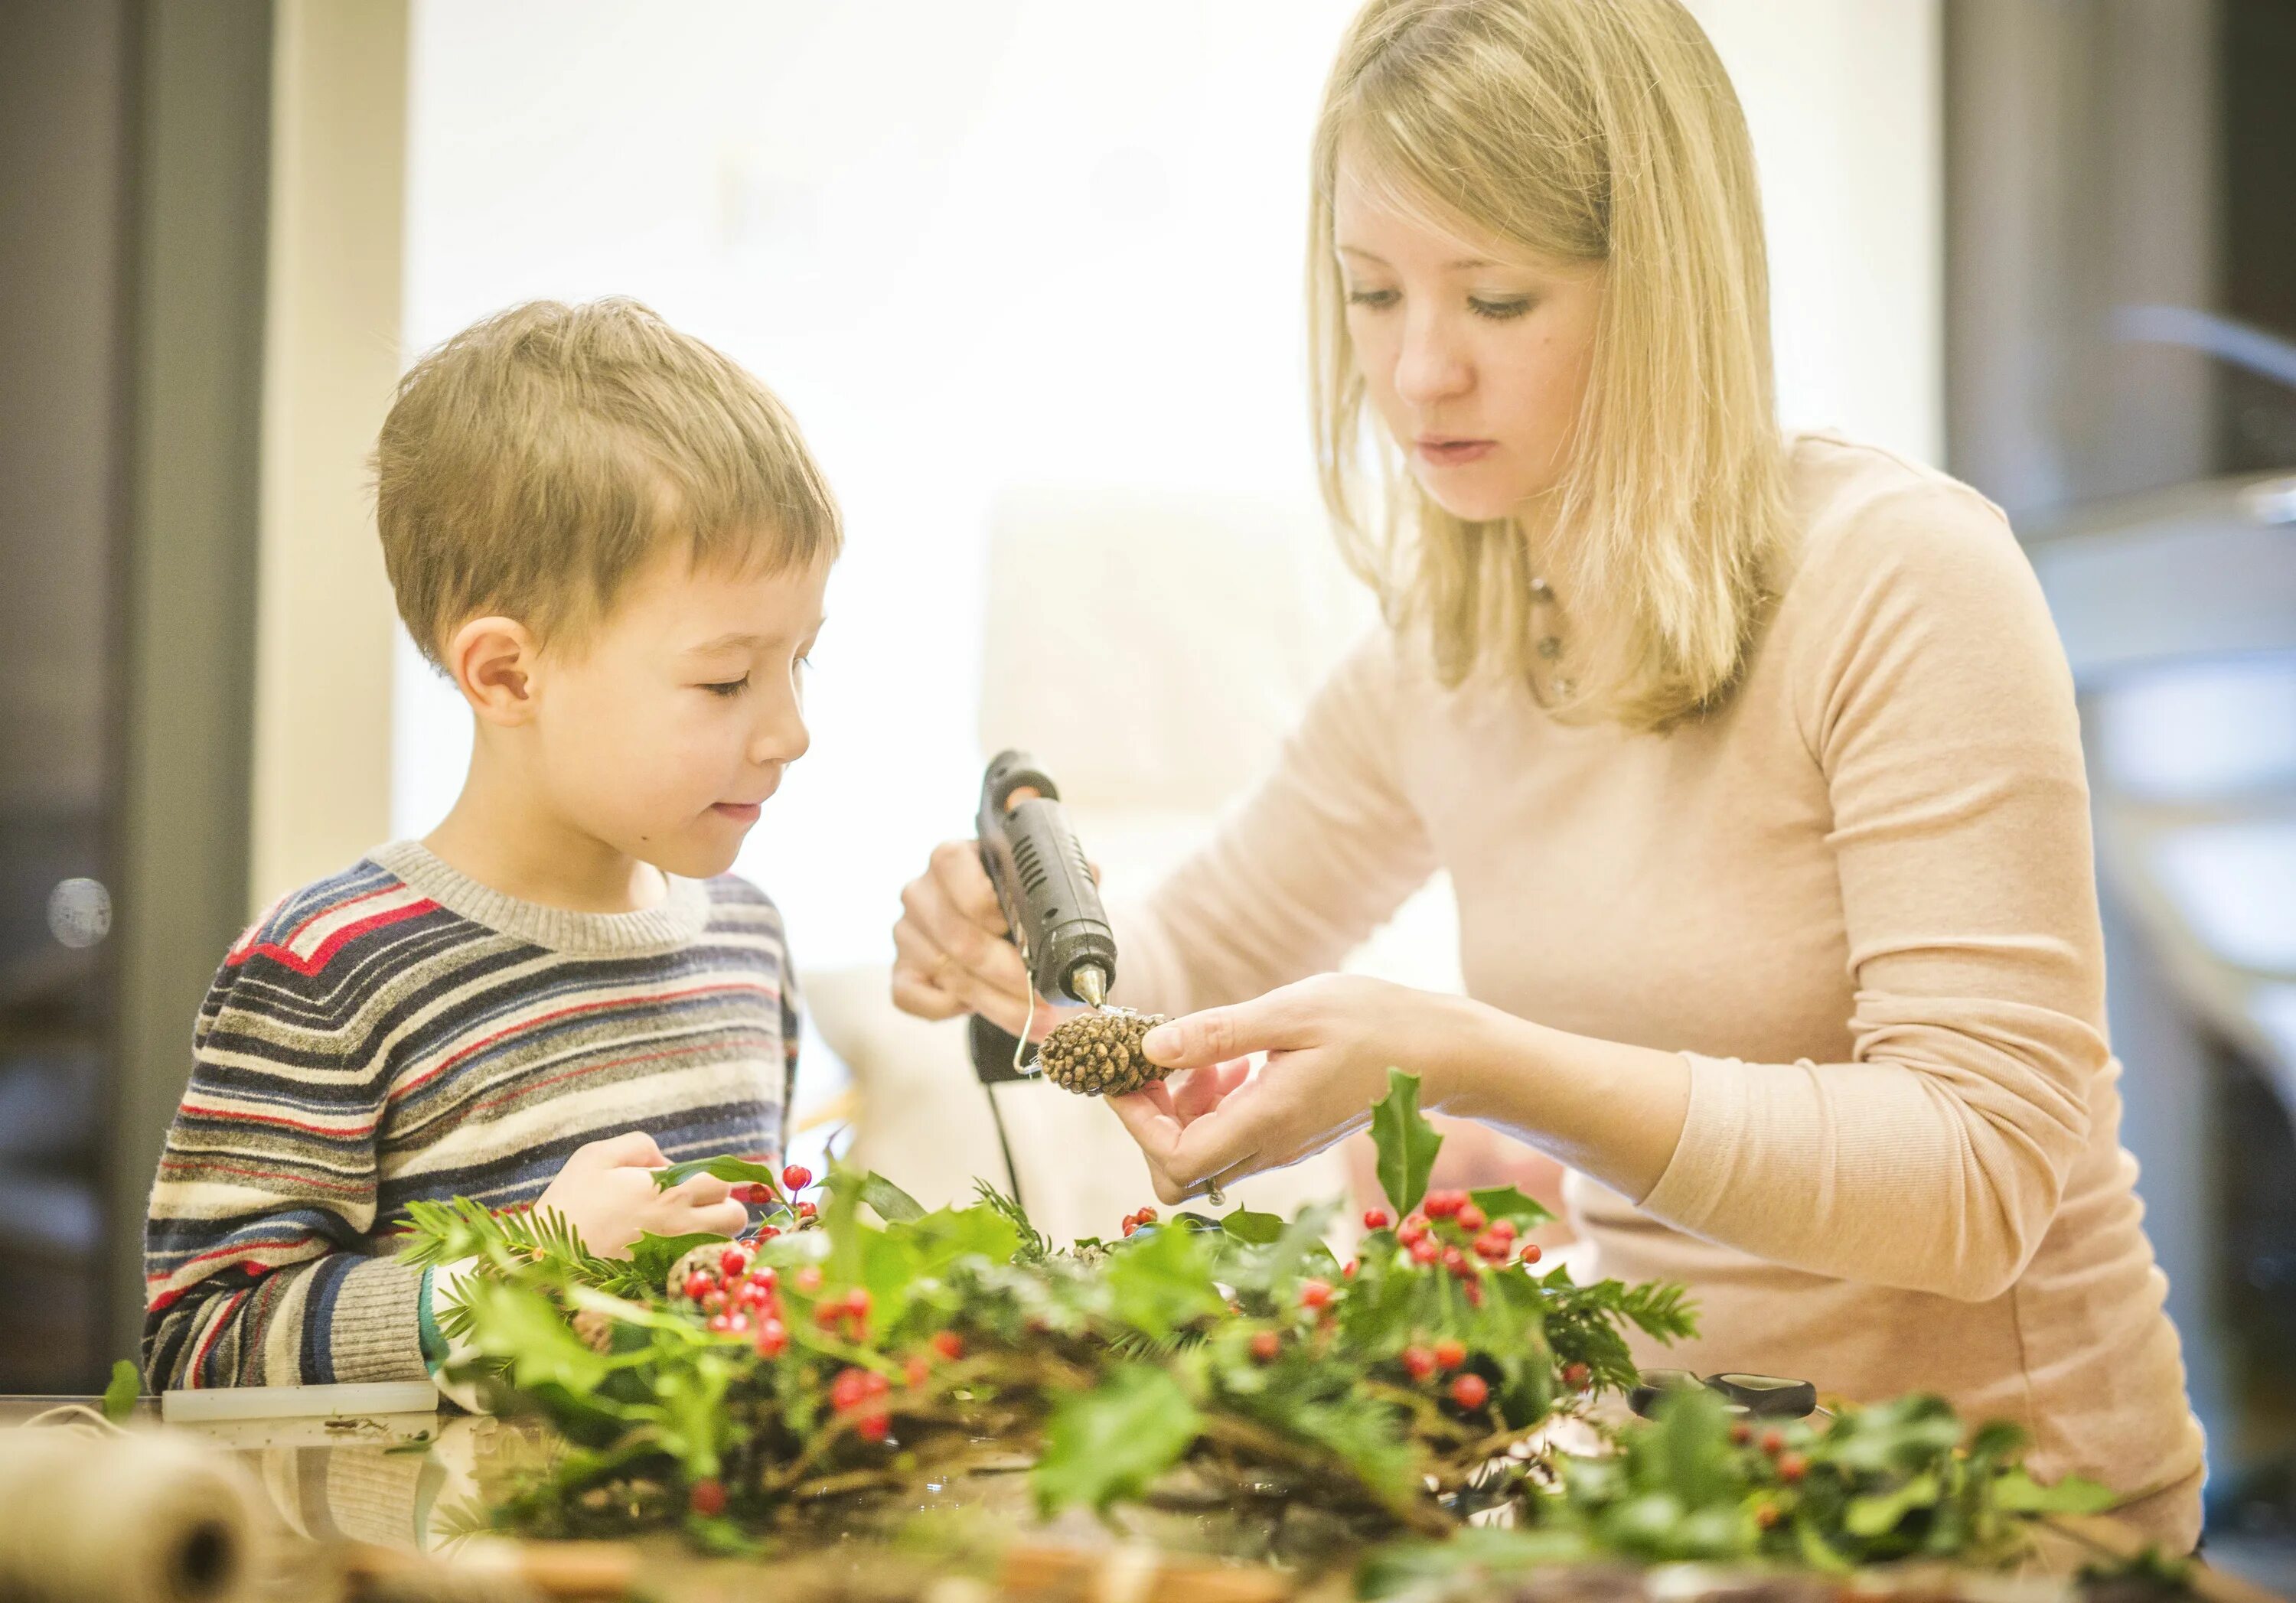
column 1098, row 1054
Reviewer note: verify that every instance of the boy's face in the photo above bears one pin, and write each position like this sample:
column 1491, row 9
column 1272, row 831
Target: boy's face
column 665, row 732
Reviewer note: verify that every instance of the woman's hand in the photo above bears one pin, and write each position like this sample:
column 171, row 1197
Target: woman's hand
column 1330, row 1041
column 953, row 951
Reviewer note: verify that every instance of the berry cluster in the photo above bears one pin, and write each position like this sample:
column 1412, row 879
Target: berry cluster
column 1451, row 1232
column 738, row 1296
column 1139, row 1221
column 1791, row 1466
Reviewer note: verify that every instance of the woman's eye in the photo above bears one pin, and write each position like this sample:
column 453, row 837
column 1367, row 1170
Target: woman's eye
column 728, row 687
column 1499, row 311
column 1373, row 299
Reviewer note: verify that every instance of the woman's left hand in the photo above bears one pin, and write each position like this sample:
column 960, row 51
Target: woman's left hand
column 1330, row 1041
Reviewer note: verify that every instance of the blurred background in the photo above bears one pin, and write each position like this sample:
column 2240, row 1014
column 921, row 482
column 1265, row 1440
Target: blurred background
column 1030, row 274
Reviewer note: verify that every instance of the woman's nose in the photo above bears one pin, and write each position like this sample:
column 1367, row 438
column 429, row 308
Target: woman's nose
column 1432, row 364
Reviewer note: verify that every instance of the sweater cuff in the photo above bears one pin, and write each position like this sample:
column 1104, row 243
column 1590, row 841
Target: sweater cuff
column 434, row 1344
column 1699, row 1175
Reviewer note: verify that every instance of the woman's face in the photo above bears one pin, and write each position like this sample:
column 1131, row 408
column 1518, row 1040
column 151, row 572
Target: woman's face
column 1477, row 363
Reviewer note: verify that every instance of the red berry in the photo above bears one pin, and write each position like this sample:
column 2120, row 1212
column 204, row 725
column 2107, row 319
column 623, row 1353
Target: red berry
column 773, row 1338
column 916, row 1369
column 707, row 1498
column 1375, row 1218
column 765, row 1275
column 1575, row 1375
column 1130, row 1225
column 1418, row 1362
column 697, row 1286
column 1470, row 1391
column 738, row 1323
column 1315, row 1294
column 1741, row 1432
column 1774, row 1442
column 796, row 1178
column 805, row 1210
column 1454, row 1260
column 1472, row 1218
column 873, row 1427
column 848, row 1390
column 1424, row 1251
column 1266, row 1346
column 719, row 1324
column 808, row 1278
column 1348, row 1269
column 766, row 1232
column 949, row 1343
column 753, row 1296
column 714, row 1300
column 828, row 1314
column 1450, row 1352
column 734, row 1263
column 1530, row 1253
column 1493, row 1248
column 856, row 1302
column 1411, row 1231
column 1146, row 1215
column 1443, row 1205
column 1791, row 1467
column 1504, row 1228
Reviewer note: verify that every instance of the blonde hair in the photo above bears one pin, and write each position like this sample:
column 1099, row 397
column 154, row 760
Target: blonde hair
column 1577, row 131
column 532, row 463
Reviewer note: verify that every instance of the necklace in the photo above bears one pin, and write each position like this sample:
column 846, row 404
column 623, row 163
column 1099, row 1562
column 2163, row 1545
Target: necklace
column 1547, row 619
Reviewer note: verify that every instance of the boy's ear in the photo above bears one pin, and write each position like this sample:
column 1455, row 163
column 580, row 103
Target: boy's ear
column 493, row 661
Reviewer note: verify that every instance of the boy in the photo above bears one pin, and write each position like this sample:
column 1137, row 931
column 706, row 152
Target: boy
column 614, row 543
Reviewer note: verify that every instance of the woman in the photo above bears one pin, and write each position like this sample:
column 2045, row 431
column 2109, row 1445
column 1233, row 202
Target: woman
column 1754, row 762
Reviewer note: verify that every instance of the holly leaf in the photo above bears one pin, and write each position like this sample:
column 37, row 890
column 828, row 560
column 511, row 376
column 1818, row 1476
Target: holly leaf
column 2019, row 1493
column 887, row 1200
column 1505, row 1202
column 1878, row 1513
column 1257, row 1229
column 1112, row 1441
column 654, row 1257
column 523, row 1329
column 735, row 1171
column 119, row 1396
column 1407, row 1143
column 1156, row 1285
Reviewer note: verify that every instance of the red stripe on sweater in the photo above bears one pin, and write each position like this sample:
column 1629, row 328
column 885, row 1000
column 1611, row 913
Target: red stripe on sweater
column 236, row 1249
column 318, row 960
column 399, row 1091
column 340, row 1188
column 215, row 1333
column 562, row 1076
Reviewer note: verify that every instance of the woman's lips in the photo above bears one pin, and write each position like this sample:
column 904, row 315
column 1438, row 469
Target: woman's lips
column 739, row 811
column 1452, row 453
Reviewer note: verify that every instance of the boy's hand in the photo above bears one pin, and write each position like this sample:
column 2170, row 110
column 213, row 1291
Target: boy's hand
column 606, row 1192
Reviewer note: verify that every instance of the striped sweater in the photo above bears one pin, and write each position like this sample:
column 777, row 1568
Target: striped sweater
column 401, row 1032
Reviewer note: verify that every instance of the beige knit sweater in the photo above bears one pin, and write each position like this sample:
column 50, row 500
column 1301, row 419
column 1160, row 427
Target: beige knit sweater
column 1860, row 899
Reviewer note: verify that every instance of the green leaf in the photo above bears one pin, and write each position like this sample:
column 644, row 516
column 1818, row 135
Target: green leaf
column 1407, row 1143
column 2020, row 1493
column 1156, row 1285
column 521, row 1328
column 127, row 1385
column 891, row 1203
column 735, row 1171
column 1878, row 1513
column 1505, row 1202
column 654, row 1257
column 1112, row 1441
column 1259, row 1229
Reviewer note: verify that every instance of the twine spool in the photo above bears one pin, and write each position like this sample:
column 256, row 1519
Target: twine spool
column 121, row 1517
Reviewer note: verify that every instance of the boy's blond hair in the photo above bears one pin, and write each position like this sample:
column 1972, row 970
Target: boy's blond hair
column 533, row 463
column 1576, row 131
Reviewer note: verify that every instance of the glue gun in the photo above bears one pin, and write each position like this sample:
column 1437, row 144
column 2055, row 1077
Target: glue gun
column 1049, row 900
